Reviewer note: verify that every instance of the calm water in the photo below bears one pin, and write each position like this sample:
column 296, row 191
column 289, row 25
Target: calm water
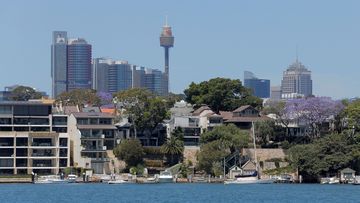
column 77, row 193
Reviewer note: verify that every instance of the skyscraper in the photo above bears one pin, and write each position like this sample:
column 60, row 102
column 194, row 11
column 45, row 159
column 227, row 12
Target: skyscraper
column 259, row 87
column 166, row 41
column 70, row 63
column 58, row 62
column 79, row 72
column 296, row 80
column 111, row 76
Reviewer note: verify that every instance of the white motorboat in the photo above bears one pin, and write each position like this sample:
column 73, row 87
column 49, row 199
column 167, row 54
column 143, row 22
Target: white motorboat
column 71, row 178
column 50, row 180
column 166, row 177
column 330, row 180
column 119, row 182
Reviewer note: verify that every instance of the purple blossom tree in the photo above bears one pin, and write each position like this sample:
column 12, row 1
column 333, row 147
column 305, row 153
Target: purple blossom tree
column 105, row 97
column 314, row 111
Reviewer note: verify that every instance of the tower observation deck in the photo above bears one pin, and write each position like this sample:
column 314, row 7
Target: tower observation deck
column 166, row 41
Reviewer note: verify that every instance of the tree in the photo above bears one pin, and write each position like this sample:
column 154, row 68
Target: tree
column 24, row 93
column 210, row 155
column 105, row 98
column 220, row 94
column 314, row 111
column 282, row 114
column 264, row 131
column 325, row 156
column 231, row 136
column 352, row 113
column 79, row 97
column 131, row 151
column 145, row 110
column 173, row 147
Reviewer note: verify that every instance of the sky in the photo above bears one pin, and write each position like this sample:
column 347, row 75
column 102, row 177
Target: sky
column 212, row 39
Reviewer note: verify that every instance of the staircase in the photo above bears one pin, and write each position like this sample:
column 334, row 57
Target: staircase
column 114, row 164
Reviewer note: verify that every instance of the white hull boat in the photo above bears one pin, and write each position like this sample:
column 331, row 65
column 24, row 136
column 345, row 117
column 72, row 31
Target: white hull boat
column 249, row 180
column 119, row 182
column 166, row 177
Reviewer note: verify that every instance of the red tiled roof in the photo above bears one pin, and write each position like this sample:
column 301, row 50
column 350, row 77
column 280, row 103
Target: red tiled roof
column 242, row 108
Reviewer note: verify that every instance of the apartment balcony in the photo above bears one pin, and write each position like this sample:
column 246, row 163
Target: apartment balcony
column 93, row 149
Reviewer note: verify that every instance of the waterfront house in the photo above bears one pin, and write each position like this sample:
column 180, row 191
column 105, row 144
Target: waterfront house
column 32, row 138
column 243, row 116
column 347, row 175
column 92, row 134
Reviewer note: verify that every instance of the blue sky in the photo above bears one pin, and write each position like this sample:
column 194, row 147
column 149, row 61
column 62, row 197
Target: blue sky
column 212, row 38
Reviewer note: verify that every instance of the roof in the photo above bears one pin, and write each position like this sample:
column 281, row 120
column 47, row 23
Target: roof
column 347, row 170
column 226, row 114
column 91, row 109
column 96, row 127
column 246, row 119
column 92, row 115
column 70, row 109
column 107, row 110
column 242, row 108
column 201, row 109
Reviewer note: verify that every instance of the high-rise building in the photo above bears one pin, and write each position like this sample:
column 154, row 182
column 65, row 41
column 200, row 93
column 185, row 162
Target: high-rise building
column 113, row 76
column 166, row 41
column 154, row 81
column 275, row 93
column 259, row 87
column 70, row 63
column 79, row 73
column 296, row 80
column 58, row 62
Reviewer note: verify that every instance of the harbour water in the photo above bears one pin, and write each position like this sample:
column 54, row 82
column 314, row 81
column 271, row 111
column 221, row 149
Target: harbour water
column 77, row 193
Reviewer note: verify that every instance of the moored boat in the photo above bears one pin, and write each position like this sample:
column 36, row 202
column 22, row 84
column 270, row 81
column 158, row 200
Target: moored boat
column 166, row 177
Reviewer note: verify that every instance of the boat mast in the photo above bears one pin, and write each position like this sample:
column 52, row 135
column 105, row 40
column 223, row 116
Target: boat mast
column 255, row 157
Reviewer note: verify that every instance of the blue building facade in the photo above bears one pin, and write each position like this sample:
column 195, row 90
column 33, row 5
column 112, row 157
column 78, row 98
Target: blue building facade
column 259, row 87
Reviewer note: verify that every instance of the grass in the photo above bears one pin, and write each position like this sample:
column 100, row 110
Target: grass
column 16, row 176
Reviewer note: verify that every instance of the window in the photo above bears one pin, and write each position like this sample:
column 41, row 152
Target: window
column 106, row 121
column 5, row 121
column 82, row 121
column 59, row 120
column 5, row 110
column 93, row 121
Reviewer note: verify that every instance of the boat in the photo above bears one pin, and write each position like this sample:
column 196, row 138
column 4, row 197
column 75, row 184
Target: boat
column 357, row 180
column 250, row 178
column 120, row 181
column 330, row 180
column 50, row 180
column 166, row 177
column 71, row 178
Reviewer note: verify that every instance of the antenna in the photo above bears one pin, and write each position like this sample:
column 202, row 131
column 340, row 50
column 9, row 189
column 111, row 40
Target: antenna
column 166, row 20
column 297, row 54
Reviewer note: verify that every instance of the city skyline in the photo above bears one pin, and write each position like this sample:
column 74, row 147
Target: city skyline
column 222, row 41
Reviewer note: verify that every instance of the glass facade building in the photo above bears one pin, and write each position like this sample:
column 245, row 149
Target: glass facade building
column 79, row 65
column 259, row 87
column 297, row 80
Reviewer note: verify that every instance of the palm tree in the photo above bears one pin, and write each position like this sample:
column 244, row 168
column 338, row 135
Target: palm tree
column 174, row 146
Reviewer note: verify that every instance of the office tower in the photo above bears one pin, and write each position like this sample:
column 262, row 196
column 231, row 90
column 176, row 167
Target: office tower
column 138, row 77
column 275, row 93
column 154, row 81
column 79, row 72
column 296, row 80
column 112, row 76
column 58, row 62
column 260, row 87
column 166, row 41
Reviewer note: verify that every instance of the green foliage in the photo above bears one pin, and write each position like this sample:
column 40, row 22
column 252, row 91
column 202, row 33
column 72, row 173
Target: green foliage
column 279, row 171
column 210, row 153
column 217, row 168
column 230, row 135
column 137, row 170
column 326, row 155
column 144, row 109
column 131, row 151
column 264, row 131
column 173, row 148
column 221, row 94
column 79, row 97
column 24, row 93
column 352, row 112
column 184, row 171
column 153, row 150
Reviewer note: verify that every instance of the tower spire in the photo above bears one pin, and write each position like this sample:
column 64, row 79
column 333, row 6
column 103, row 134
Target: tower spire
column 297, row 54
column 166, row 21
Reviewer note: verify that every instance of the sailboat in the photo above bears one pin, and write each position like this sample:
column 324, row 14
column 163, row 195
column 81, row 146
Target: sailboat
column 252, row 178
